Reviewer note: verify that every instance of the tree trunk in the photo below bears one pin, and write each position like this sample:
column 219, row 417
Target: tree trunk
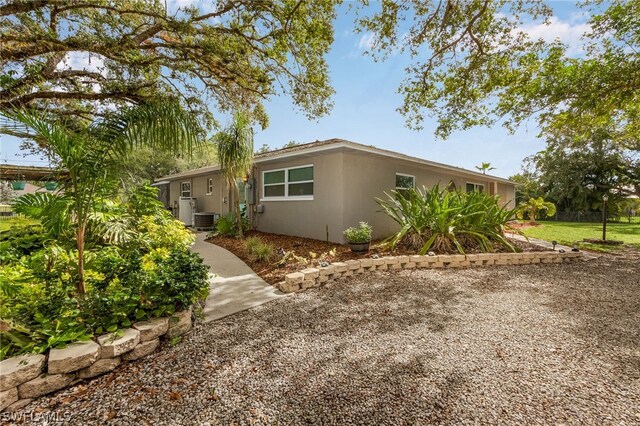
column 236, row 201
column 80, row 287
column 532, row 217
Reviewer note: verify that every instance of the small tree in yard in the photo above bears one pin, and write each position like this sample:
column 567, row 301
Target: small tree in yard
column 92, row 156
column 235, row 155
column 534, row 207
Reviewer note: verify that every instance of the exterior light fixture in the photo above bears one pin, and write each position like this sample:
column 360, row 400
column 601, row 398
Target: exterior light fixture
column 605, row 198
column 555, row 243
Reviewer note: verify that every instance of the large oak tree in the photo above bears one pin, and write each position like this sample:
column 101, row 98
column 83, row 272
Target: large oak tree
column 473, row 63
column 223, row 55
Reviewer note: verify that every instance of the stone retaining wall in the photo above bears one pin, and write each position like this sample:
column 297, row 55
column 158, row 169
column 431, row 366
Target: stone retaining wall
column 314, row 277
column 29, row 376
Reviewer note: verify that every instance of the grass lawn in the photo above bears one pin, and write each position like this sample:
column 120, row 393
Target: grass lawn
column 568, row 232
column 8, row 223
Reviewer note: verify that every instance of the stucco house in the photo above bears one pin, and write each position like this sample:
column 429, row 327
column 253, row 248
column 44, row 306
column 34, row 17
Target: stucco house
column 319, row 189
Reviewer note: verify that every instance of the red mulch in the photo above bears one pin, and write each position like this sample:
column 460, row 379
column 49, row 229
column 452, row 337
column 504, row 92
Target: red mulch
column 313, row 251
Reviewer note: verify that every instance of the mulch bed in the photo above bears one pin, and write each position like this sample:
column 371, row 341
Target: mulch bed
column 313, row 251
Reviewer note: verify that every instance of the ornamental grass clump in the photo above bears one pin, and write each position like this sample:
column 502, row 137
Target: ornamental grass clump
column 259, row 250
column 447, row 221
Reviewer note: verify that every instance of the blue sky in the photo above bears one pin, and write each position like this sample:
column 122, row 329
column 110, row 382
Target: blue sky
column 365, row 107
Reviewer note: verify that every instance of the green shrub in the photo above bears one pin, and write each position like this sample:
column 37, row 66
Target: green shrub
column 361, row 234
column 20, row 241
column 151, row 274
column 447, row 221
column 226, row 226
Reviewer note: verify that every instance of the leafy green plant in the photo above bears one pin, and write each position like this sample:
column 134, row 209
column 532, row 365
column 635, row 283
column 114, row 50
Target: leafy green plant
column 226, row 226
column 151, row 275
column 91, row 155
column 20, row 241
column 534, row 207
column 447, row 221
column 360, row 234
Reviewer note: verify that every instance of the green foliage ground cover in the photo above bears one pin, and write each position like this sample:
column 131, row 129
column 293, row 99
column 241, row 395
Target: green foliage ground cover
column 148, row 272
column 15, row 221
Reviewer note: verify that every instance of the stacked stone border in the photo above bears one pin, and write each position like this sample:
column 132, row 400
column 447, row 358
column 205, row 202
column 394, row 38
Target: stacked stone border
column 315, row 277
column 26, row 377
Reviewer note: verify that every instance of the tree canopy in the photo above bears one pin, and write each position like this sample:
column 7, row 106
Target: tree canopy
column 575, row 177
column 472, row 63
column 226, row 55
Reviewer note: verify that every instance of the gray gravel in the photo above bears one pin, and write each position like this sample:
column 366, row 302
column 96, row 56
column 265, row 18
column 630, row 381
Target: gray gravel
column 534, row 344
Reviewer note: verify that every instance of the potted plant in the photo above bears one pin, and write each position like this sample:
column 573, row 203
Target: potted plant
column 51, row 185
column 359, row 237
column 18, row 185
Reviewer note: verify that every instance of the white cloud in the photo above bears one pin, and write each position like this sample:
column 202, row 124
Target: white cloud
column 569, row 32
column 82, row 61
column 366, row 41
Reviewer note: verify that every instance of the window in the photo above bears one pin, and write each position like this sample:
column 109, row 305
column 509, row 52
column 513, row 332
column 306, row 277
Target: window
column 475, row 187
column 209, row 186
column 185, row 189
column 405, row 181
column 291, row 183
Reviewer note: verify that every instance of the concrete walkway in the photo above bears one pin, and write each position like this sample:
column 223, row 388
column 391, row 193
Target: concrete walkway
column 234, row 287
column 549, row 245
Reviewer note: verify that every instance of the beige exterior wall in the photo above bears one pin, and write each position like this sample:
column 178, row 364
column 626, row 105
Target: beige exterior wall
column 345, row 187
column 310, row 218
column 206, row 202
column 362, row 188
column 346, row 184
column 174, row 195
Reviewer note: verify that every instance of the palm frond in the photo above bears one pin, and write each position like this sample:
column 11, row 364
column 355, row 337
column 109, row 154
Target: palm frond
column 165, row 126
column 53, row 210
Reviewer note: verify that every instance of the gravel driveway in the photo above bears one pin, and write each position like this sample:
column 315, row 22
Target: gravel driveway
column 545, row 344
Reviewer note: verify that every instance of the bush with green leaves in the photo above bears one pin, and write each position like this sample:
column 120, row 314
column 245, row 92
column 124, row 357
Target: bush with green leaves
column 447, row 221
column 227, row 226
column 20, row 241
column 141, row 268
column 360, row 234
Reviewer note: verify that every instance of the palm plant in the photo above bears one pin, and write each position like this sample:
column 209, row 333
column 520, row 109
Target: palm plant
column 485, row 167
column 534, row 207
column 235, row 155
column 90, row 156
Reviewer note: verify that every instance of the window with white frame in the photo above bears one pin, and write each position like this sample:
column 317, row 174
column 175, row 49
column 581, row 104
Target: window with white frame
column 290, row 183
column 185, row 189
column 209, row 186
column 405, row 181
column 478, row 187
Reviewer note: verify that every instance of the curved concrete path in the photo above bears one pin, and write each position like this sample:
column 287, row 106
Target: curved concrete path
column 234, row 287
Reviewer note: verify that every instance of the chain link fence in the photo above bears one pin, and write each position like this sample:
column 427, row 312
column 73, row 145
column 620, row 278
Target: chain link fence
column 590, row 217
